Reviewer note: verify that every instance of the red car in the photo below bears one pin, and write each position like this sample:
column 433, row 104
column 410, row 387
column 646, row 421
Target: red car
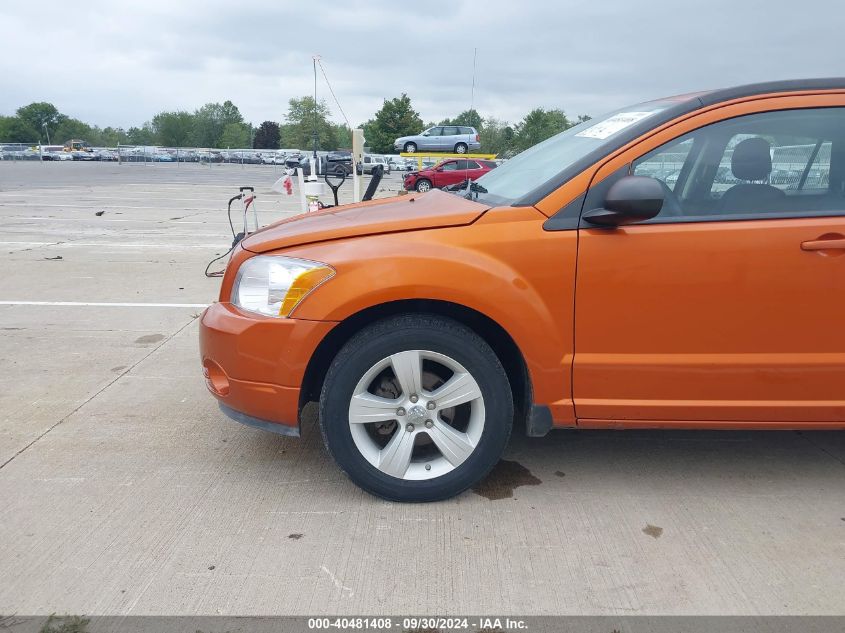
column 447, row 172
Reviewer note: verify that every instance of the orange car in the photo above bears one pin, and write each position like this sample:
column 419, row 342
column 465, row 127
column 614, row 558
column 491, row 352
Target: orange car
column 676, row 264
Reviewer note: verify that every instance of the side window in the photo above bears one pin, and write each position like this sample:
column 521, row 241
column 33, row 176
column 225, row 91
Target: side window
column 450, row 166
column 466, row 130
column 666, row 163
column 471, row 164
column 435, row 131
column 450, row 131
column 772, row 163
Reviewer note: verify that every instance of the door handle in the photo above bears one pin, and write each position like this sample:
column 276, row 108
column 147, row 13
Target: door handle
column 824, row 244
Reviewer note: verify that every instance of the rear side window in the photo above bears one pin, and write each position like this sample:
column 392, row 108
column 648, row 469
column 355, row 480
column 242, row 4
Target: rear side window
column 471, row 164
column 450, row 131
column 785, row 163
column 466, row 130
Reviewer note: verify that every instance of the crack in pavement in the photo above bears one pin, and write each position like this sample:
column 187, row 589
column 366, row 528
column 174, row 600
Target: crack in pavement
column 99, row 391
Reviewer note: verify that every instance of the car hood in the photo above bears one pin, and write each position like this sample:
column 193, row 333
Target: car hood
column 431, row 210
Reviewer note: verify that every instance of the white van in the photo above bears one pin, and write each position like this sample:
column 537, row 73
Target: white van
column 371, row 160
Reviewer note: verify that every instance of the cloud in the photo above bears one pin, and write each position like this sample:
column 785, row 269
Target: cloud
column 119, row 64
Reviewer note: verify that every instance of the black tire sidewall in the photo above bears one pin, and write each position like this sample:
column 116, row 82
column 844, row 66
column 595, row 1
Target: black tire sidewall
column 417, row 185
column 408, row 147
column 464, row 145
column 363, row 353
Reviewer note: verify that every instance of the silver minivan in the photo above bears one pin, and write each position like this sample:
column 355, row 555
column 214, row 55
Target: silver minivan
column 371, row 161
column 459, row 139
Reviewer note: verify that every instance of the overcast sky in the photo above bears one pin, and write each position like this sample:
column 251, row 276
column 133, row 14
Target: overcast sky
column 118, row 63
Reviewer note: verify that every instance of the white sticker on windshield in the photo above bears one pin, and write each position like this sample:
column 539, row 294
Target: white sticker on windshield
column 612, row 125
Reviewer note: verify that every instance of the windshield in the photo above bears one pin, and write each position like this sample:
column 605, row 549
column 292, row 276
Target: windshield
column 537, row 165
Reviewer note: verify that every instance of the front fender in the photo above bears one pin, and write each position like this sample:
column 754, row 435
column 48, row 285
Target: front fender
column 503, row 266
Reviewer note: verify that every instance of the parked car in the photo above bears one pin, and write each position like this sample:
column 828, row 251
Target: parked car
column 371, row 160
column 447, row 172
column 208, row 156
column 429, row 326
column 397, row 163
column 441, row 138
column 338, row 162
column 273, row 158
column 106, row 155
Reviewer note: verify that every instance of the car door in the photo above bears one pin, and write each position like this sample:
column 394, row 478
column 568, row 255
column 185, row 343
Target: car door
column 432, row 140
column 473, row 170
column 447, row 173
column 449, row 139
column 727, row 308
column 465, row 169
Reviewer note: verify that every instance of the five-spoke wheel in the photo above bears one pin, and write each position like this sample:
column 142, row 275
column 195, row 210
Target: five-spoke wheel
column 416, row 414
column 416, row 408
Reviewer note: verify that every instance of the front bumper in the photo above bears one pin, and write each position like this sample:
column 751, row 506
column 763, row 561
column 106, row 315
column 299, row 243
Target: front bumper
column 255, row 365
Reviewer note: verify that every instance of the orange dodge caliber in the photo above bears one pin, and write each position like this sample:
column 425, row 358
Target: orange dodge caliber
column 675, row 264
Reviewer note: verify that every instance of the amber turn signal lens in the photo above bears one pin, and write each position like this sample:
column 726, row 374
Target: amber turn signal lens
column 303, row 284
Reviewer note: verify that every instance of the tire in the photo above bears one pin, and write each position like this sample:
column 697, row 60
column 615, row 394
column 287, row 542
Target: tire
column 461, row 148
column 410, row 148
column 423, row 185
column 474, row 432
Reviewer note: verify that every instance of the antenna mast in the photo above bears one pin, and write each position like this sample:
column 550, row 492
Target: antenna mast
column 472, row 94
column 314, row 133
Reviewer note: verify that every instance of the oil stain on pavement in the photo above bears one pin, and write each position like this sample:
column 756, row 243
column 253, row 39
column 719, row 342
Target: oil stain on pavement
column 653, row 531
column 505, row 476
column 150, row 338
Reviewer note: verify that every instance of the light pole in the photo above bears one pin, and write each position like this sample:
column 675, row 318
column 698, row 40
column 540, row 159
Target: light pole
column 47, row 132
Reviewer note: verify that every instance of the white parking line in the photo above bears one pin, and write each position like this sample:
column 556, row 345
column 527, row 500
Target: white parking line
column 111, row 206
column 110, row 244
column 104, row 304
column 99, row 220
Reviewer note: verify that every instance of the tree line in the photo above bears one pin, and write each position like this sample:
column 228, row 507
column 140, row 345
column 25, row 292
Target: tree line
column 221, row 125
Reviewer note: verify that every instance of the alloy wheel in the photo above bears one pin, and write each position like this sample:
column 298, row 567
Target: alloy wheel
column 416, row 415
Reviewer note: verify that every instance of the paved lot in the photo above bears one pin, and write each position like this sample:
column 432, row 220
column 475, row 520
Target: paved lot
column 124, row 490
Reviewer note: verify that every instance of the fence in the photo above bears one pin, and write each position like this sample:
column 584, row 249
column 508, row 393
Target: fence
column 20, row 151
column 145, row 155
column 279, row 161
column 132, row 154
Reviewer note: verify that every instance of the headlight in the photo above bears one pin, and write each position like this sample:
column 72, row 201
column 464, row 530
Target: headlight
column 274, row 286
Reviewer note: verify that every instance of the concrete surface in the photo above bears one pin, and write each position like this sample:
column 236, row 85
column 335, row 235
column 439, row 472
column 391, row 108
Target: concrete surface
column 124, row 490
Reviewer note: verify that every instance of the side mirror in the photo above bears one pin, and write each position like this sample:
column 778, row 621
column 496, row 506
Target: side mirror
column 630, row 199
column 439, row 169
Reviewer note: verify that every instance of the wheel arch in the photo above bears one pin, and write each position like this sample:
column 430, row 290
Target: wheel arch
column 494, row 334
